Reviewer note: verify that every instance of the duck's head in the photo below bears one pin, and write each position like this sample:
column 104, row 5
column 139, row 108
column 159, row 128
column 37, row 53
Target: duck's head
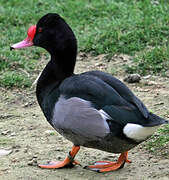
column 52, row 33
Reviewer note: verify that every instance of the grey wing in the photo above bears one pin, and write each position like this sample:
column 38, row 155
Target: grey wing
column 77, row 115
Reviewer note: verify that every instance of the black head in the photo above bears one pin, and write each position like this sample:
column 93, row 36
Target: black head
column 55, row 35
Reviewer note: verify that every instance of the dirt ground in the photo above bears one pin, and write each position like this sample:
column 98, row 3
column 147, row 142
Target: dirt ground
column 26, row 133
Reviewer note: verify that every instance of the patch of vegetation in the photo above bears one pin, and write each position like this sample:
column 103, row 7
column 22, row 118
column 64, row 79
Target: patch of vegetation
column 101, row 26
column 5, row 141
column 153, row 61
column 11, row 79
column 159, row 143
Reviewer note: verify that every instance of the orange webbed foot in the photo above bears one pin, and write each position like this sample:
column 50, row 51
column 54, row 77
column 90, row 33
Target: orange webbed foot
column 107, row 166
column 67, row 162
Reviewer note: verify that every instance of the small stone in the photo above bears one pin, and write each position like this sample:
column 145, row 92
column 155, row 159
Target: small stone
column 13, row 134
column 17, row 150
column 32, row 162
column 159, row 103
column 57, row 149
column 133, row 78
column 124, row 57
column 150, row 157
column 59, row 157
column 5, row 132
column 50, row 132
column 99, row 64
column 16, row 147
column 27, row 104
column 147, row 77
column 25, row 151
column 4, row 152
column 151, row 83
column 82, row 54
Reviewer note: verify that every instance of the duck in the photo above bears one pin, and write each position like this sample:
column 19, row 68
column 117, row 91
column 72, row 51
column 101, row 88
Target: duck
column 92, row 109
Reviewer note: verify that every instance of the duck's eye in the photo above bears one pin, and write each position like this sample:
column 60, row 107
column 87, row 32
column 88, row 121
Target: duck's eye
column 40, row 29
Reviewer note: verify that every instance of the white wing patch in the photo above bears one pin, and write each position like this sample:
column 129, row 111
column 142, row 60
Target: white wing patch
column 138, row 132
column 104, row 115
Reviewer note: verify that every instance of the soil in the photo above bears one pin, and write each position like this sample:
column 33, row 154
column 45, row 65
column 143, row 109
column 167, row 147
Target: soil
column 31, row 140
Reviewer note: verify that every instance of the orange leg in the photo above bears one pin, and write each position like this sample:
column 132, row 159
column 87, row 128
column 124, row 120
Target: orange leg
column 106, row 166
column 67, row 162
column 127, row 160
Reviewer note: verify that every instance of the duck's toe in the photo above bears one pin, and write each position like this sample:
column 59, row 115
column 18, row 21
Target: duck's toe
column 106, row 166
column 67, row 162
column 56, row 164
column 100, row 165
column 59, row 164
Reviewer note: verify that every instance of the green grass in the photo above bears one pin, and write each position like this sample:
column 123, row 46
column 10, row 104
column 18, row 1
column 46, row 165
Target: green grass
column 137, row 28
column 159, row 141
column 153, row 61
column 5, row 141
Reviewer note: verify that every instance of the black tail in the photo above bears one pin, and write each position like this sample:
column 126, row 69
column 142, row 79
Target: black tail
column 154, row 120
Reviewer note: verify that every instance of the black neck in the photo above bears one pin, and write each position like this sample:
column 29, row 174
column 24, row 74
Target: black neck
column 59, row 67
